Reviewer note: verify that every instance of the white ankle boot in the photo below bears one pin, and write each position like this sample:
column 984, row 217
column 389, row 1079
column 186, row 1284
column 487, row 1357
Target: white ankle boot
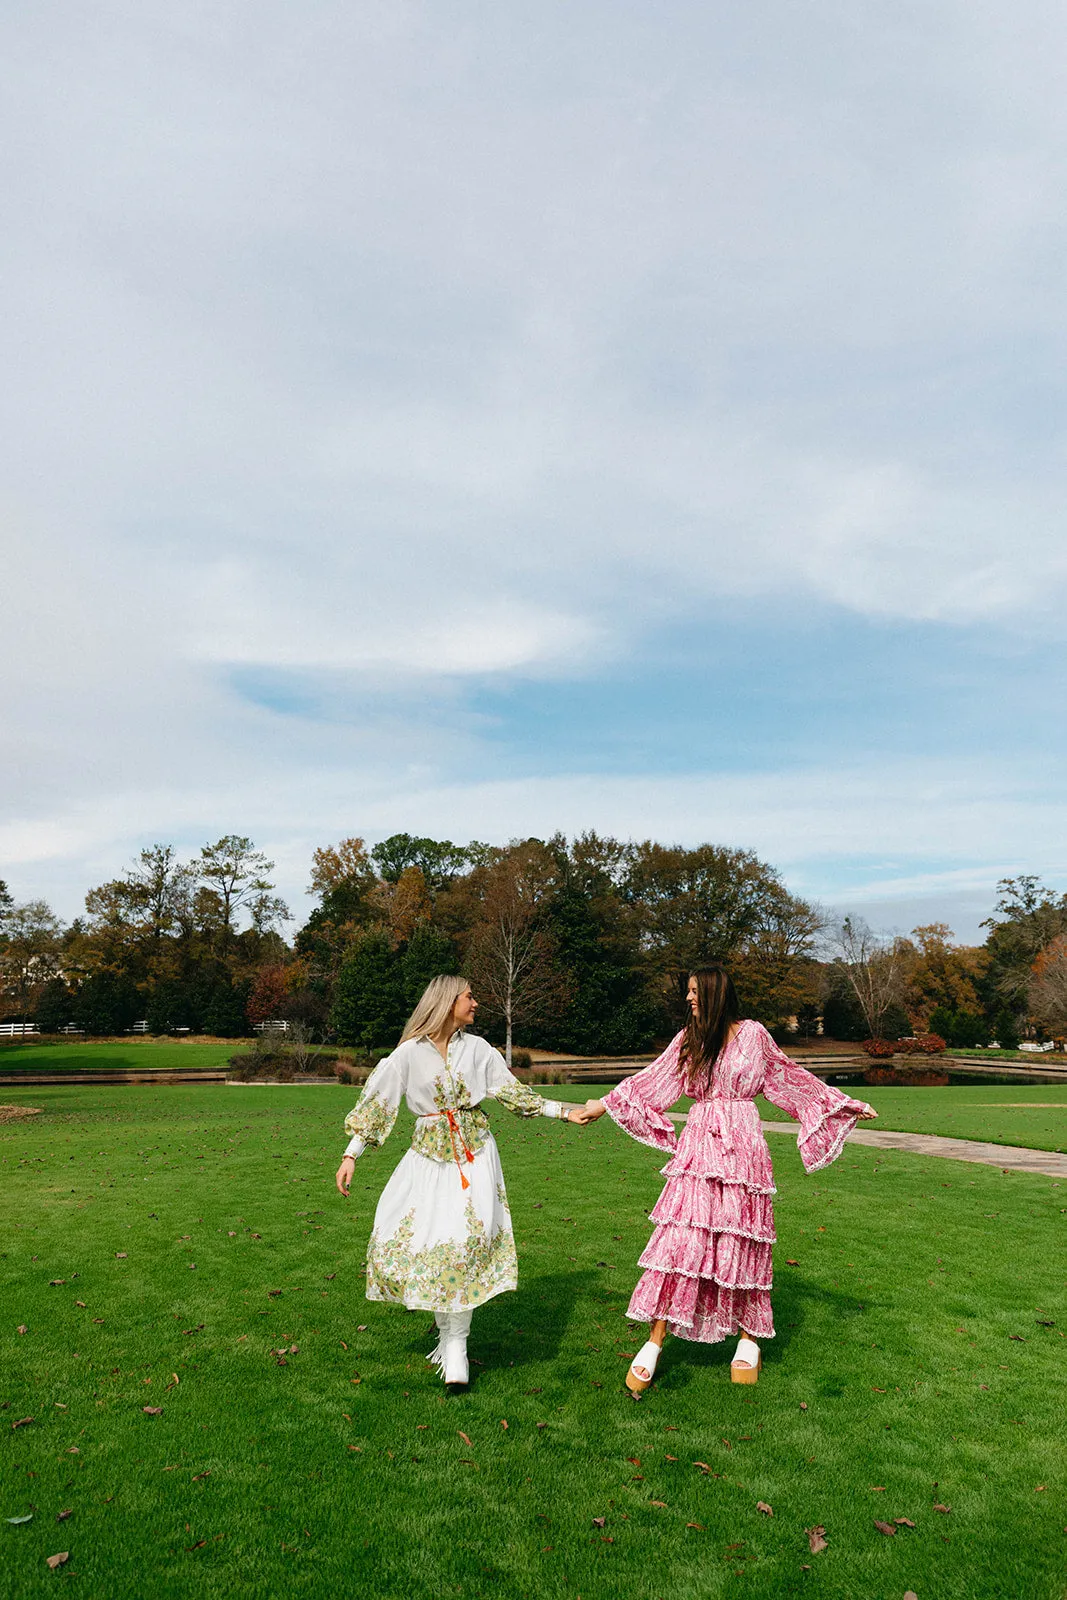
column 450, row 1356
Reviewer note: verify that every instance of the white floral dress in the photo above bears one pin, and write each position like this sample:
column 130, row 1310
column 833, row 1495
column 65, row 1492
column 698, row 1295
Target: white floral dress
column 442, row 1237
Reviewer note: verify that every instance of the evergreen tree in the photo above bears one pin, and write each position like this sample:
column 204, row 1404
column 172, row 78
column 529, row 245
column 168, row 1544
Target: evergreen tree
column 429, row 953
column 107, row 1003
column 369, row 1004
column 55, row 1008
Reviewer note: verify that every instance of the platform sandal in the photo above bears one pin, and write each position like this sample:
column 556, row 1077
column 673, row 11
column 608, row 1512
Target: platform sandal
column 646, row 1359
column 747, row 1361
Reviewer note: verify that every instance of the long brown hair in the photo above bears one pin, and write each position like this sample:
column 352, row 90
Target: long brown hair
column 706, row 1033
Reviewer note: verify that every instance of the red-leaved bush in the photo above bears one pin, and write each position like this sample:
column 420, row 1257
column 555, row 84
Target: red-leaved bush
column 880, row 1048
column 923, row 1044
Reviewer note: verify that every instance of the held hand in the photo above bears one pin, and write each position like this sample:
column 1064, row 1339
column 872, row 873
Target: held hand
column 868, row 1115
column 344, row 1175
column 587, row 1113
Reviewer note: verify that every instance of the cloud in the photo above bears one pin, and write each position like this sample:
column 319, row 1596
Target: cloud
column 351, row 365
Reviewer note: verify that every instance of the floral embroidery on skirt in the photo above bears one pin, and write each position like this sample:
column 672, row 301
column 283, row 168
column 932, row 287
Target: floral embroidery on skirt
column 437, row 1247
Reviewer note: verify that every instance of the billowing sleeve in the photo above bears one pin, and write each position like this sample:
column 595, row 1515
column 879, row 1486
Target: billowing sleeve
column 371, row 1120
column 826, row 1116
column 502, row 1085
column 638, row 1103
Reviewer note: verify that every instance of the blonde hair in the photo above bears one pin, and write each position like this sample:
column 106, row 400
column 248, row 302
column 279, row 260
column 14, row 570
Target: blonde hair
column 434, row 1011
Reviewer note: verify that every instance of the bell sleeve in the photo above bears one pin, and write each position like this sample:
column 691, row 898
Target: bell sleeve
column 502, row 1085
column 826, row 1116
column 370, row 1121
column 638, row 1104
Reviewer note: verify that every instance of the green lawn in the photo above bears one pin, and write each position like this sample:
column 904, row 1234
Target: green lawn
column 1034, row 1115
column 106, row 1055
column 913, row 1368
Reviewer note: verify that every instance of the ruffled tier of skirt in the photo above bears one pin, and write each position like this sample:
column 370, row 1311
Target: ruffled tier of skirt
column 708, row 1269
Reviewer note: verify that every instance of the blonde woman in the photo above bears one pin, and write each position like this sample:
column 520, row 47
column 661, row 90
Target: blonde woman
column 442, row 1238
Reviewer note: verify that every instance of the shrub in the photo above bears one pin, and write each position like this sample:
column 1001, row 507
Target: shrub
column 521, row 1061
column 880, row 1049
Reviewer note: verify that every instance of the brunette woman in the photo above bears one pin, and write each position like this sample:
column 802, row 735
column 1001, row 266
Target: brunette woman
column 708, row 1263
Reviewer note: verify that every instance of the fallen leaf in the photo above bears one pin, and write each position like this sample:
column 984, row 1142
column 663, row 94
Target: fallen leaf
column 792, row 1263
column 361, row 1327
column 358, row 1447
column 662, row 1504
column 61, row 1516
column 803, row 1405
column 22, row 1328
column 58, row 1560
column 702, row 1465
column 343, row 1345
column 816, row 1539
column 1017, row 1337
column 945, row 1510
column 17, row 1522
column 605, row 1538
column 666, row 1458
column 761, row 1505
column 120, row 1255
column 1040, row 1488
column 74, row 1451
column 635, row 1461
column 903, row 1522
column 80, row 1303
column 699, row 1526
column 152, row 1411
column 199, row 1545
column 878, row 1488
column 598, row 1522
column 467, row 1440
column 273, row 1293
column 541, row 1424
column 197, row 1329
column 198, row 1475
column 504, row 1423
column 21, row 1423
column 911, row 1595
column 55, row 1283
column 885, row 1527
column 876, row 1389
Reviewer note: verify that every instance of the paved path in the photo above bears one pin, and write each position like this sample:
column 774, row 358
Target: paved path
column 1008, row 1157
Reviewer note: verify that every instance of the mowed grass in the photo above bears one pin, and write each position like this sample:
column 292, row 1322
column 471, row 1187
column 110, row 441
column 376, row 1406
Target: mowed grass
column 1032, row 1115
column 118, row 1055
column 914, row 1368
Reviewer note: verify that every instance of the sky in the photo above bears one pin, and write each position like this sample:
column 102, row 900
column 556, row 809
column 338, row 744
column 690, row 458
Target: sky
column 483, row 421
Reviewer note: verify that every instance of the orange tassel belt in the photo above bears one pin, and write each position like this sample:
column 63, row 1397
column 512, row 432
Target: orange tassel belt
column 455, row 1131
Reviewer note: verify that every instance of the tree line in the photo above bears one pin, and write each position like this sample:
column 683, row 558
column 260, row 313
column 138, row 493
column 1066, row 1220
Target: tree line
column 580, row 945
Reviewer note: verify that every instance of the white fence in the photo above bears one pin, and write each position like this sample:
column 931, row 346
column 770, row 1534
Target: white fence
column 272, row 1027
column 18, row 1030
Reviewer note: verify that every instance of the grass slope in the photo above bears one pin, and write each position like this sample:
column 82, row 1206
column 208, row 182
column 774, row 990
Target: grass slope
column 109, row 1055
column 896, row 1382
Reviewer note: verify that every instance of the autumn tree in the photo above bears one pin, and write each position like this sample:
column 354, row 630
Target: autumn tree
column 1048, row 988
column 29, row 954
column 233, row 874
column 874, row 966
column 510, row 954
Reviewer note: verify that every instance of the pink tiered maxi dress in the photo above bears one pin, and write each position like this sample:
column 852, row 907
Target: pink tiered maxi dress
column 708, row 1262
